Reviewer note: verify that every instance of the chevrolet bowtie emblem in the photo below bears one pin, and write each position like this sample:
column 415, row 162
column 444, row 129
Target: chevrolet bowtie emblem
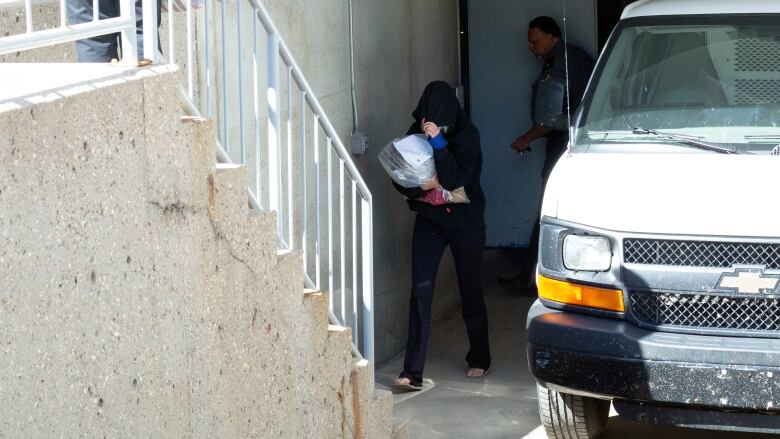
column 749, row 282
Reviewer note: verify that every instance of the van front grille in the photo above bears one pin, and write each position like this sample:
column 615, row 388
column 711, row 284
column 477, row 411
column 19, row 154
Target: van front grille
column 706, row 311
column 700, row 253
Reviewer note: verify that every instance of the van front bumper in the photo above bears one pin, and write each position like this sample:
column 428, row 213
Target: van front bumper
column 610, row 358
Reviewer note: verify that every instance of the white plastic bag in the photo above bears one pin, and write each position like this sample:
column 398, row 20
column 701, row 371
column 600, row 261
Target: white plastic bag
column 409, row 160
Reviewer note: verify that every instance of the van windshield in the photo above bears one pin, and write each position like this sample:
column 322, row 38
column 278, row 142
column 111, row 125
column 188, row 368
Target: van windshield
column 714, row 79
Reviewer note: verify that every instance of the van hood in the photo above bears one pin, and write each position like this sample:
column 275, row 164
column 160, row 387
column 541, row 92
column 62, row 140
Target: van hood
column 691, row 194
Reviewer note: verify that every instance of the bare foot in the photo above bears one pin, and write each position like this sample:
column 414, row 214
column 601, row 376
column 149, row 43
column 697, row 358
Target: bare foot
column 476, row 372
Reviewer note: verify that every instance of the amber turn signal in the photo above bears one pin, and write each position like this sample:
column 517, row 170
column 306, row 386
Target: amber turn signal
column 580, row 295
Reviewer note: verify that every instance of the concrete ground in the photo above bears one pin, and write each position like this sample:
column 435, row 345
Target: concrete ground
column 503, row 405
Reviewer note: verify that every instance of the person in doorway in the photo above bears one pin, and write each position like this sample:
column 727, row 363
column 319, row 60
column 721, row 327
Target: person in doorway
column 572, row 67
column 458, row 159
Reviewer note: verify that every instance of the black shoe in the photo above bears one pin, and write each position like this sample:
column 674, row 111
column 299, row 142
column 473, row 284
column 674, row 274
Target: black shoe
column 407, row 387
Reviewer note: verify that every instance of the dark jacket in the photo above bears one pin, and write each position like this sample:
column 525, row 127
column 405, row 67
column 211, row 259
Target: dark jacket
column 579, row 65
column 459, row 164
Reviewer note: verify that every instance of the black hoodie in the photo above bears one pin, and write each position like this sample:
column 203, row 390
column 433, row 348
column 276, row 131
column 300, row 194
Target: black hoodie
column 457, row 165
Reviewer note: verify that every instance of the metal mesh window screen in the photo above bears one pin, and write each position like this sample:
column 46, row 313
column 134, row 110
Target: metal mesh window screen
column 757, row 91
column 700, row 253
column 757, row 55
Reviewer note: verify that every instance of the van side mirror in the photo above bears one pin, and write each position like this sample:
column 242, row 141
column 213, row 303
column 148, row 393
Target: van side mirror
column 549, row 105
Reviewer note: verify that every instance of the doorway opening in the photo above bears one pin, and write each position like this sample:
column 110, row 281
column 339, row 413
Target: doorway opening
column 463, row 35
column 608, row 14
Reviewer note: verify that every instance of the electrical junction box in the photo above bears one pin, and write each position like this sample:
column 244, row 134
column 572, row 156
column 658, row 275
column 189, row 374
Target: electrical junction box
column 359, row 142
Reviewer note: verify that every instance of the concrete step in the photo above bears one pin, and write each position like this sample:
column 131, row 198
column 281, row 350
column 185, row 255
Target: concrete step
column 400, row 429
column 315, row 309
column 338, row 361
column 289, row 269
column 381, row 421
column 361, row 390
column 228, row 200
column 259, row 238
column 322, row 373
column 228, row 210
column 310, row 348
column 200, row 134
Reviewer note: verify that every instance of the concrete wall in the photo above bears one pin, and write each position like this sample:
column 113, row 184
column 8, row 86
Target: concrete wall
column 401, row 45
column 139, row 296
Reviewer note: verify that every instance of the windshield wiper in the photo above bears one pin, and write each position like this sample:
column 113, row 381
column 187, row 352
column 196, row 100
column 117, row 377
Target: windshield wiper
column 689, row 141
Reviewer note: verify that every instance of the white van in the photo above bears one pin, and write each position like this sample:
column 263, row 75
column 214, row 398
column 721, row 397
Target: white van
column 659, row 261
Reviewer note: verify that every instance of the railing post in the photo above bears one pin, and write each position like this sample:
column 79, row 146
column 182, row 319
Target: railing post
column 28, row 16
column 256, row 108
column 239, row 57
column 64, row 13
column 290, row 194
column 317, row 210
column 274, row 139
column 355, row 311
column 190, row 66
column 304, row 212
column 343, row 242
column 367, row 242
column 329, row 176
column 150, row 29
column 128, row 36
column 171, row 49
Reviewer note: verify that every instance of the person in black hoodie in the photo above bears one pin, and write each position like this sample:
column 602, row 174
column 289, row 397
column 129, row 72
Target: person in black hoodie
column 458, row 158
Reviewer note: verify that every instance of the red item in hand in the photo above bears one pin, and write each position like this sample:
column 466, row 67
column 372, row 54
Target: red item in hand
column 435, row 196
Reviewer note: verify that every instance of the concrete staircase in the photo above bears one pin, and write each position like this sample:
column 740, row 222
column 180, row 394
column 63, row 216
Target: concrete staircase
column 141, row 296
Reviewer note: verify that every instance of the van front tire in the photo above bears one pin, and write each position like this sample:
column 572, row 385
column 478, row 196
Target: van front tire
column 566, row 416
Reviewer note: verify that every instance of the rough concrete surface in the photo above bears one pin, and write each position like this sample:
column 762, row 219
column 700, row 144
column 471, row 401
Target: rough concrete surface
column 140, row 295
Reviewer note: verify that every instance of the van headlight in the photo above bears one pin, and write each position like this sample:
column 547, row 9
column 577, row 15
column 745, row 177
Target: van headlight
column 586, row 253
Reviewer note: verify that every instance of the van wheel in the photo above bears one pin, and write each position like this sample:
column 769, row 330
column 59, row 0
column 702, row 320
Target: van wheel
column 566, row 416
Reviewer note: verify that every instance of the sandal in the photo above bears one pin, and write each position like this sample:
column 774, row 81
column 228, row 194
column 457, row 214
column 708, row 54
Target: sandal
column 407, row 384
column 481, row 375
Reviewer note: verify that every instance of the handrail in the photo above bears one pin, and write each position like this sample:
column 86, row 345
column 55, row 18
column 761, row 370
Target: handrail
column 124, row 24
column 311, row 97
column 335, row 222
column 366, row 239
column 323, row 250
column 59, row 35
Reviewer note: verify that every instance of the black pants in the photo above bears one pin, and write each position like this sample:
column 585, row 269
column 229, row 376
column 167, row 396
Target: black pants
column 428, row 244
column 556, row 146
column 104, row 48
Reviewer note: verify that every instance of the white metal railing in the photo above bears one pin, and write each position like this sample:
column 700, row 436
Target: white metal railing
column 269, row 119
column 239, row 71
column 124, row 24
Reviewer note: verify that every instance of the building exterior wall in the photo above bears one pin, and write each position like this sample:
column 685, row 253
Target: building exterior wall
column 400, row 46
column 139, row 296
